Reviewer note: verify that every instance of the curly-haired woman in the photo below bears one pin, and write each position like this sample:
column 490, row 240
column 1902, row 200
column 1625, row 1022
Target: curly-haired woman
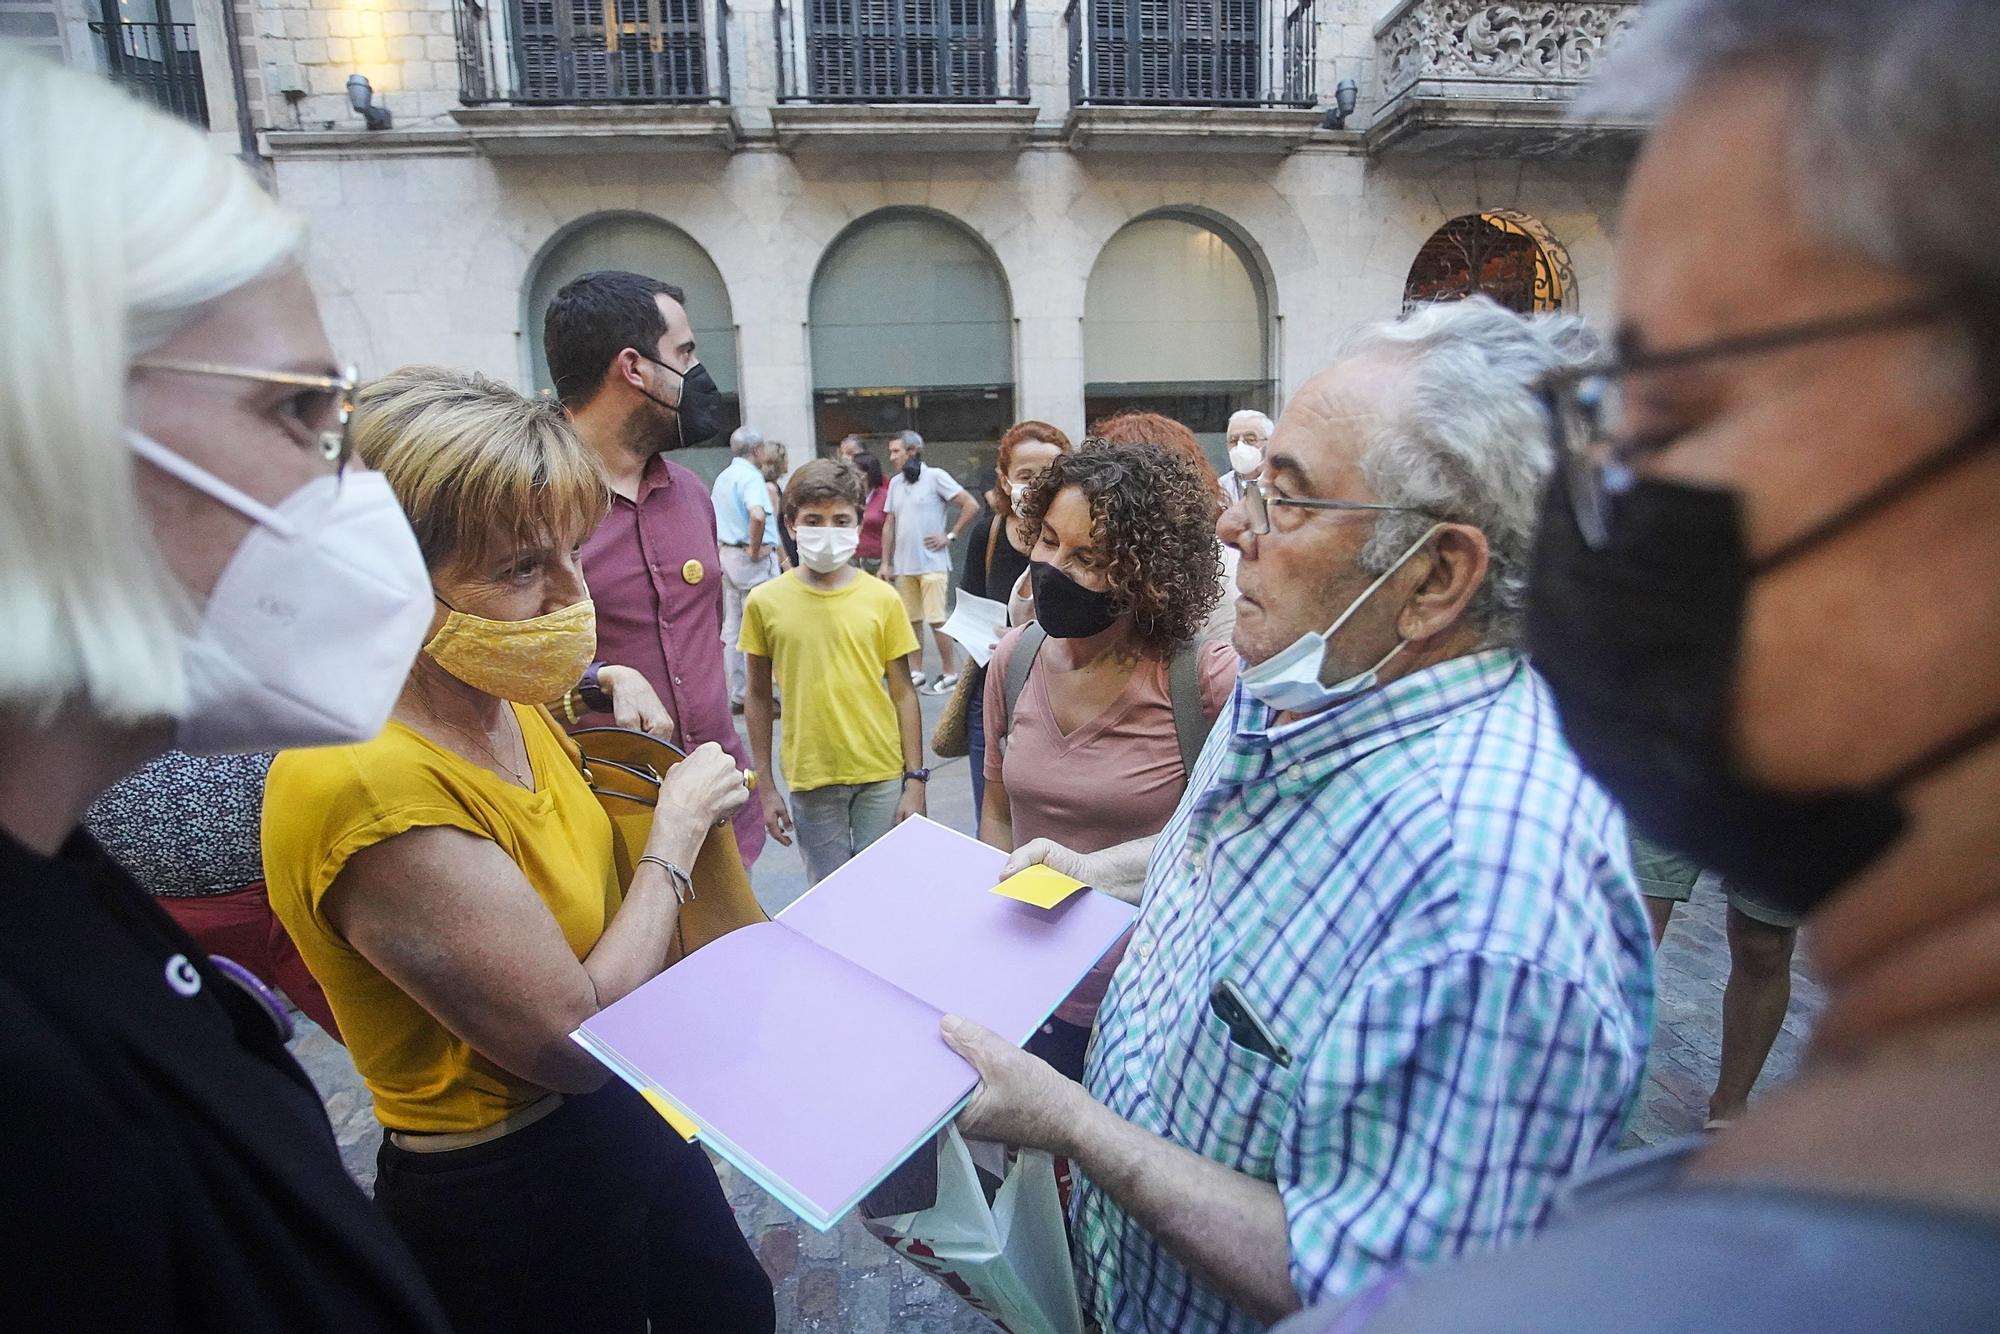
column 1132, row 427
column 1124, row 562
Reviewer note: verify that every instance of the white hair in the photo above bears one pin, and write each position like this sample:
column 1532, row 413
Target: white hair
column 1254, row 417
column 1465, row 437
column 121, row 226
column 1897, row 114
column 743, row 442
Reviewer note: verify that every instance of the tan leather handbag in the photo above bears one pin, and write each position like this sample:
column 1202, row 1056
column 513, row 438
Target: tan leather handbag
column 624, row 769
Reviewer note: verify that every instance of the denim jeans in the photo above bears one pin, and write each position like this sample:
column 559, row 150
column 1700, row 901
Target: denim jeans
column 975, row 739
column 835, row 822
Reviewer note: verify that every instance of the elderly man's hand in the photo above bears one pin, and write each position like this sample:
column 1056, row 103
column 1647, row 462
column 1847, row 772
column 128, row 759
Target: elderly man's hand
column 1020, row 1099
column 634, row 702
column 1119, row 872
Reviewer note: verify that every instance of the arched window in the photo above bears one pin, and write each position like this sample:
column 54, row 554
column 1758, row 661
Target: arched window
column 1176, row 321
column 912, row 330
column 1504, row 255
column 639, row 243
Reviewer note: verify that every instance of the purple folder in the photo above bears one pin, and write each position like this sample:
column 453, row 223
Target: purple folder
column 806, row 1049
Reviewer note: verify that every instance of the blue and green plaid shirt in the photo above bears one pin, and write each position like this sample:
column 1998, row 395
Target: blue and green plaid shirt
column 1423, row 896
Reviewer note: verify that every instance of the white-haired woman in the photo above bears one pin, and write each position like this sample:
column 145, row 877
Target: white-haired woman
column 1249, row 433
column 180, row 563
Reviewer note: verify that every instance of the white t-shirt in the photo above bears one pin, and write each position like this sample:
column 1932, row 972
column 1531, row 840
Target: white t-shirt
column 921, row 511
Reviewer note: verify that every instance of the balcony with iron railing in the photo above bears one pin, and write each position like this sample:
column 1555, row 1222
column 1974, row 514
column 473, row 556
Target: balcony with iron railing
column 1478, row 79
column 540, row 76
column 1231, row 73
column 157, row 62
column 882, row 74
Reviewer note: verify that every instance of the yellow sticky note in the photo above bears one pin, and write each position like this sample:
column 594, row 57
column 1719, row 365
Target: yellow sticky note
column 1042, row 886
column 682, row 1126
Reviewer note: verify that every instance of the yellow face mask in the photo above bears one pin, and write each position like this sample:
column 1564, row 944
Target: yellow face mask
column 530, row 662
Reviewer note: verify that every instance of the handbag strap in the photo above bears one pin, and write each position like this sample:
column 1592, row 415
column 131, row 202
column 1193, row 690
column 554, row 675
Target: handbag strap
column 564, row 739
column 1026, row 649
column 1191, row 725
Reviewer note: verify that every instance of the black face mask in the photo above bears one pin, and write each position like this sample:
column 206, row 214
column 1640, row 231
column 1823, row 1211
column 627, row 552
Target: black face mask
column 1066, row 608
column 1641, row 642
column 698, row 416
column 913, row 468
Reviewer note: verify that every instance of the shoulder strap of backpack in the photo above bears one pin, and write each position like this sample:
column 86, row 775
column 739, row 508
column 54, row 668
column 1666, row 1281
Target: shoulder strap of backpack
column 1184, row 690
column 1026, row 650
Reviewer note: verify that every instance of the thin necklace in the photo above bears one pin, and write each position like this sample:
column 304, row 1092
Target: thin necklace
column 527, row 783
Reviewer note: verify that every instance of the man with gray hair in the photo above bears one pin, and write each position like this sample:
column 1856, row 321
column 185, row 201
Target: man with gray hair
column 1391, row 981
column 742, row 529
column 1249, row 431
column 1765, row 599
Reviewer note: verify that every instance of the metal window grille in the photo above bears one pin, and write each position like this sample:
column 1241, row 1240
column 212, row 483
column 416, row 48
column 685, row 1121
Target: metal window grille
column 159, row 63
column 1191, row 52
column 610, row 51
column 901, row 50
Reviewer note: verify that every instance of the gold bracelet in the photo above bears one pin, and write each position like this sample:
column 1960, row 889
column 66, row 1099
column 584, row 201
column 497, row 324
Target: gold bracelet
column 677, row 880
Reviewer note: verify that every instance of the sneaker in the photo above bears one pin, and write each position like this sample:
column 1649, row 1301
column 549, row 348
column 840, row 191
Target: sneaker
column 916, row 678
column 942, row 686
column 736, row 706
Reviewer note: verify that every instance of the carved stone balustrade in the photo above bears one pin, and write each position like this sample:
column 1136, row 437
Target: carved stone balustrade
column 1463, row 77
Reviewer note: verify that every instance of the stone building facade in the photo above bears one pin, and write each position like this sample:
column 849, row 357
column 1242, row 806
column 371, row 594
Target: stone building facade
column 907, row 212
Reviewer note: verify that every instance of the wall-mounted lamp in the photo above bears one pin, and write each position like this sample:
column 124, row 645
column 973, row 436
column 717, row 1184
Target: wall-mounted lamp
column 361, row 96
column 1346, row 94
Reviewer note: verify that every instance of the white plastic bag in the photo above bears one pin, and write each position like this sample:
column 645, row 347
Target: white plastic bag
column 1009, row 1259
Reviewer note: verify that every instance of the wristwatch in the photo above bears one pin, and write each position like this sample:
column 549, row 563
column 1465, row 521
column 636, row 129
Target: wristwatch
column 591, row 693
column 921, row 775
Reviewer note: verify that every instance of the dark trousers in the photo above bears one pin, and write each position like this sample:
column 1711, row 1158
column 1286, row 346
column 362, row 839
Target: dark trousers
column 595, row 1218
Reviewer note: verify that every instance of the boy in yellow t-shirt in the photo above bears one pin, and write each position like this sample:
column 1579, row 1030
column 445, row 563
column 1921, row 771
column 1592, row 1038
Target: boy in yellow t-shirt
column 833, row 634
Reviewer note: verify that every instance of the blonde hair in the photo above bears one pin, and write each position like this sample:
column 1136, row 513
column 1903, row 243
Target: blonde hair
column 477, row 467
column 777, row 461
column 121, row 227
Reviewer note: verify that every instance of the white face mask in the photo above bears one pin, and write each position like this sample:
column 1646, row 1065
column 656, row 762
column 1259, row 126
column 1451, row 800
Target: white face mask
column 1246, row 458
column 1021, row 600
column 824, row 550
column 309, row 634
column 1289, row 681
column 1018, row 492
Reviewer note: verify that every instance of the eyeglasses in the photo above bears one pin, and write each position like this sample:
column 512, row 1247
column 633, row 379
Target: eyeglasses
column 1586, row 404
column 1257, row 503
column 336, row 445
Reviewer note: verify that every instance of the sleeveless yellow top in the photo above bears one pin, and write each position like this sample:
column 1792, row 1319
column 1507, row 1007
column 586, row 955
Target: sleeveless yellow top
column 321, row 806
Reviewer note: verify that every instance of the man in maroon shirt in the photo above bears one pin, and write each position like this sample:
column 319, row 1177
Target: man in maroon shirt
column 623, row 360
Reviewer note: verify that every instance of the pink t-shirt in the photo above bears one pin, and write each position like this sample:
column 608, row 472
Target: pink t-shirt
column 1116, row 778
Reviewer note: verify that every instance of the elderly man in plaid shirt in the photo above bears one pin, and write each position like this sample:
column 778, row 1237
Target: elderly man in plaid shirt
column 1391, row 982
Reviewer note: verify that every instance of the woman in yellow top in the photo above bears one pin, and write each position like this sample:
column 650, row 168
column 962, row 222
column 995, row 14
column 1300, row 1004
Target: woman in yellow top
column 451, row 885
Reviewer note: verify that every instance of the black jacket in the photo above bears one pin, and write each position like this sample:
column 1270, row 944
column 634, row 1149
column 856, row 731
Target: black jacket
column 164, row 1163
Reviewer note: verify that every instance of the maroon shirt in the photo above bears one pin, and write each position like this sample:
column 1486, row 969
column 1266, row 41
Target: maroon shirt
column 655, row 576
column 872, row 519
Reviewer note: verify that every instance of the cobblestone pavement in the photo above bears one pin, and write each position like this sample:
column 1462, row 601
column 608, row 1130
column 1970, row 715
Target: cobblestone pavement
column 846, row 1280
